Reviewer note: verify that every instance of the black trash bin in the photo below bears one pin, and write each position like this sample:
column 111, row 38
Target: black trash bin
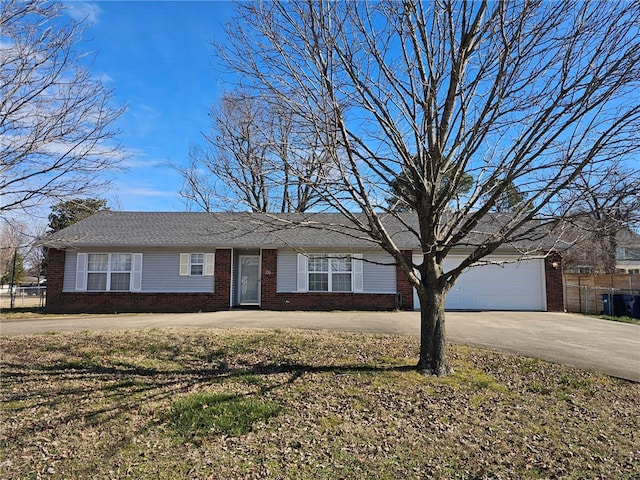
column 632, row 305
column 613, row 304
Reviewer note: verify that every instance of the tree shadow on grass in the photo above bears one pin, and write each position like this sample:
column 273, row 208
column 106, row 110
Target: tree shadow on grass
column 44, row 397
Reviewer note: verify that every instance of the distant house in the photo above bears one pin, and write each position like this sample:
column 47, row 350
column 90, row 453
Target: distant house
column 189, row 262
column 590, row 257
column 628, row 252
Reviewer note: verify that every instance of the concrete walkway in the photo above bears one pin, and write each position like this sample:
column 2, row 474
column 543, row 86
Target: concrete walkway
column 609, row 347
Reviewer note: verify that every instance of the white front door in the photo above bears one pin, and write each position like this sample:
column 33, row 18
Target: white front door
column 249, row 279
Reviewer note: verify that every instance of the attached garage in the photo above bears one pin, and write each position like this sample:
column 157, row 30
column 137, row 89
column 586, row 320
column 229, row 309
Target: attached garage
column 197, row 261
column 506, row 285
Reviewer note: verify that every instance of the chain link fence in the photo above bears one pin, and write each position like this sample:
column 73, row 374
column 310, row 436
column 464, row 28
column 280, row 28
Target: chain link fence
column 23, row 297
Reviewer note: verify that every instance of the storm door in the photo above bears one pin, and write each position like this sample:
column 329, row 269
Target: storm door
column 249, row 279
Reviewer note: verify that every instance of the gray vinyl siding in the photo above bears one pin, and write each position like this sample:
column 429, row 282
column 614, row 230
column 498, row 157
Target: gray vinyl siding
column 378, row 277
column 379, row 272
column 160, row 273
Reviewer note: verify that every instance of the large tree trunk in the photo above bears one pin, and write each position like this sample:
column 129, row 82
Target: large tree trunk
column 612, row 247
column 606, row 250
column 433, row 345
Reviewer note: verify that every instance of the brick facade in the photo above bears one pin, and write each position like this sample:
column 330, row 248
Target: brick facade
column 403, row 287
column 55, row 279
column 136, row 302
column 141, row 302
column 553, row 280
column 271, row 299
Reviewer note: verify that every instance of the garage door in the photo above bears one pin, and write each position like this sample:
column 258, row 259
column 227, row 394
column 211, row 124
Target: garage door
column 509, row 286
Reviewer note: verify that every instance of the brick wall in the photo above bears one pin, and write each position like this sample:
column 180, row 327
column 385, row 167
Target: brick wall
column 222, row 279
column 136, row 302
column 109, row 302
column 55, row 276
column 403, row 287
column 127, row 302
column 314, row 301
column 553, row 279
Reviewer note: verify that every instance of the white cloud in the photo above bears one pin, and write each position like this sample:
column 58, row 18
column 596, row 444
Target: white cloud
column 59, row 148
column 148, row 192
column 80, row 11
column 105, row 78
column 135, row 160
column 142, row 111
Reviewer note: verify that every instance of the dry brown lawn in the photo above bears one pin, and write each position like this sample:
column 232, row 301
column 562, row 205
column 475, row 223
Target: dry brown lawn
column 176, row 404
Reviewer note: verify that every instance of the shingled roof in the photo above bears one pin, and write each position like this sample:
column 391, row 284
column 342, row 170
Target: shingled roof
column 222, row 230
column 230, row 230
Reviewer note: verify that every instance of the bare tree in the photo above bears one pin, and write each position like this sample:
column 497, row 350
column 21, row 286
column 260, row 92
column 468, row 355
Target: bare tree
column 35, row 255
column 12, row 239
column 15, row 244
column 20, row 254
column 257, row 155
column 56, row 139
column 515, row 94
column 605, row 204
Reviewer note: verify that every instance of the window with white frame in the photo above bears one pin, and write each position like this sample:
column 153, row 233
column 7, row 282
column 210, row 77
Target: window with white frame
column 582, row 269
column 109, row 271
column 197, row 264
column 330, row 273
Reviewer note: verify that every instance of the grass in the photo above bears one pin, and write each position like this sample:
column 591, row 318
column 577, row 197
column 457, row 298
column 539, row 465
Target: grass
column 204, row 414
column 623, row 319
column 18, row 313
column 179, row 403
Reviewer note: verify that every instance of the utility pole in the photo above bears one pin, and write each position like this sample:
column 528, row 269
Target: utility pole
column 12, row 295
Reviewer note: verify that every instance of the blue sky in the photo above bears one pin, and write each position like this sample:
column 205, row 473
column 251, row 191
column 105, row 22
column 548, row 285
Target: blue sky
column 157, row 57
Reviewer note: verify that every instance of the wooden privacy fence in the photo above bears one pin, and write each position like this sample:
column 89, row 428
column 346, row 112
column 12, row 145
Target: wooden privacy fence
column 583, row 293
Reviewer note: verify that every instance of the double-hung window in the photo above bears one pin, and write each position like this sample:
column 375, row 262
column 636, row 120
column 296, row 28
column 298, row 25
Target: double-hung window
column 109, row 271
column 330, row 273
column 196, row 264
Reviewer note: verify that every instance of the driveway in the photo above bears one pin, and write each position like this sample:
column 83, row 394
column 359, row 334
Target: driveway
column 609, row 347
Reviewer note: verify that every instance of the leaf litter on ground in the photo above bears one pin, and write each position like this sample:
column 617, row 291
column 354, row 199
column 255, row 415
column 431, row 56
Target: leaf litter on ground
column 319, row 404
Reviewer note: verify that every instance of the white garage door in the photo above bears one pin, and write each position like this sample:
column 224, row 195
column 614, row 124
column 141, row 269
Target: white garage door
column 509, row 286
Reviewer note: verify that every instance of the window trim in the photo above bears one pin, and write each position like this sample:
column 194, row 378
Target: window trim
column 583, row 269
column 186, row 264
column 83, row 272
column 106, row 272
column 356, row 272
column 193, row 263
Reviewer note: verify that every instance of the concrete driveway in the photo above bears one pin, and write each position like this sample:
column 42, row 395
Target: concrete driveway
column 609, row 347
